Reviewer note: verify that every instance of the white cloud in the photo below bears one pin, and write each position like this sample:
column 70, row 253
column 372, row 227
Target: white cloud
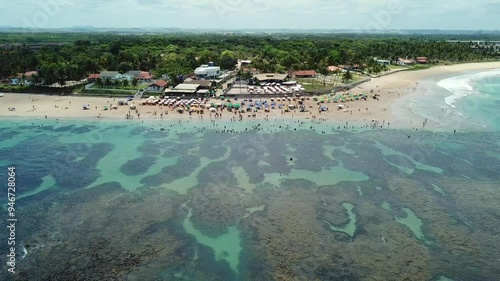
column 258, row 13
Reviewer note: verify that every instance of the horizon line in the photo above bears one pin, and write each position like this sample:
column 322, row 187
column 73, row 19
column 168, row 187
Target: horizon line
column 246, row 28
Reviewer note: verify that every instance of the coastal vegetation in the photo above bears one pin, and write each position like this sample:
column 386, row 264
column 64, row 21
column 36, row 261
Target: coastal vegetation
column 62, row 57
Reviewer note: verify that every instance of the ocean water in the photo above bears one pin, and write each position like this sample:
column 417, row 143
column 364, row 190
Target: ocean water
column 467, row 101
column 277, row 200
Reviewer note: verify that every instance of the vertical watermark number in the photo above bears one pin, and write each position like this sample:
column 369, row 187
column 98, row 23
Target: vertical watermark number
column 11, row 219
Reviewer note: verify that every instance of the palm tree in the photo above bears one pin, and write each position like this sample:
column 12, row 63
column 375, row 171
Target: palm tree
column 135, row 82
column 337, row 75
column 347, row 76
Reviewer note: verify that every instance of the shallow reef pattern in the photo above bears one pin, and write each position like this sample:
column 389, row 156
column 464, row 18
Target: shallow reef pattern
column 303, row 201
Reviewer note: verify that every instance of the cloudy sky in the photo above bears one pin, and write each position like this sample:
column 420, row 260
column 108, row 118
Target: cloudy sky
column 237, row 14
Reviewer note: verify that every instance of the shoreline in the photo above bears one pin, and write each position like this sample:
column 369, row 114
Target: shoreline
column 390, row 89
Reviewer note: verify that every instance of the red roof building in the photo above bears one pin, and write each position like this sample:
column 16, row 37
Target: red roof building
column 158, row 86
column 402, row 61
column 421, row 59
column 30, row 73
column 26, row 74
column 145, row 76
column 333, row 68
column 304, row 74
column 160, row 83
column 93, row 76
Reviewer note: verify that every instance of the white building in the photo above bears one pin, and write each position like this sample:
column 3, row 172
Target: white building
column 111, row 75
column 406, row 61
column 384, row 62
column 208, row 71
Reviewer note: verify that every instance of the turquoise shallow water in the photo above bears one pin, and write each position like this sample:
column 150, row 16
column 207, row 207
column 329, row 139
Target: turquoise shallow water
column 251, row 201
column 467, row 101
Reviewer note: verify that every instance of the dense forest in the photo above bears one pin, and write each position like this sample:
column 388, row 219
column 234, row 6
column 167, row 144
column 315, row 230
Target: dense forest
column 60, row 57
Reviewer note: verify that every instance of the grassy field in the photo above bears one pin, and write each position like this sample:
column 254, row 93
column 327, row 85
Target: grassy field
column 13, row 88
column 127, row 88
column 420, row 67
column 395, row 67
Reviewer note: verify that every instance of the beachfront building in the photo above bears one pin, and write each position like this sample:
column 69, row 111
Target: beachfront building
column 304, row 74
column 405, row 62
column 131, row 74
column 183, row 90
column 111, row 75
column 384, row 62
column 208, row 71
column 145, row 76
column 271, row 77
column 204, row 84
column 158, row 86
column 422, row 60
column 23, row 78
column 93, row 77
column 349, row 67
column 142, row 76
column 333, row 68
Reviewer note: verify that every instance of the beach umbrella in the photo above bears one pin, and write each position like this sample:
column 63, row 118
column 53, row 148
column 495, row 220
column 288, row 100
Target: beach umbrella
column 237, row 105
column 230, row 105
column 212, row 109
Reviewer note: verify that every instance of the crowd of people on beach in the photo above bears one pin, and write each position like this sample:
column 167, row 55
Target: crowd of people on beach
column 234, row 110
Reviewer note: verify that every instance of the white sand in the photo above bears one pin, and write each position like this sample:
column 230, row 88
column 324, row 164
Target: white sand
column 389, row 87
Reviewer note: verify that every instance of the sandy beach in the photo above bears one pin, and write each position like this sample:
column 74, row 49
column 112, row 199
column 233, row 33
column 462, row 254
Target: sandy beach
column 389, row 87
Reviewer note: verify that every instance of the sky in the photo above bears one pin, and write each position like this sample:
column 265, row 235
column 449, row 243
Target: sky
column 368, row 15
